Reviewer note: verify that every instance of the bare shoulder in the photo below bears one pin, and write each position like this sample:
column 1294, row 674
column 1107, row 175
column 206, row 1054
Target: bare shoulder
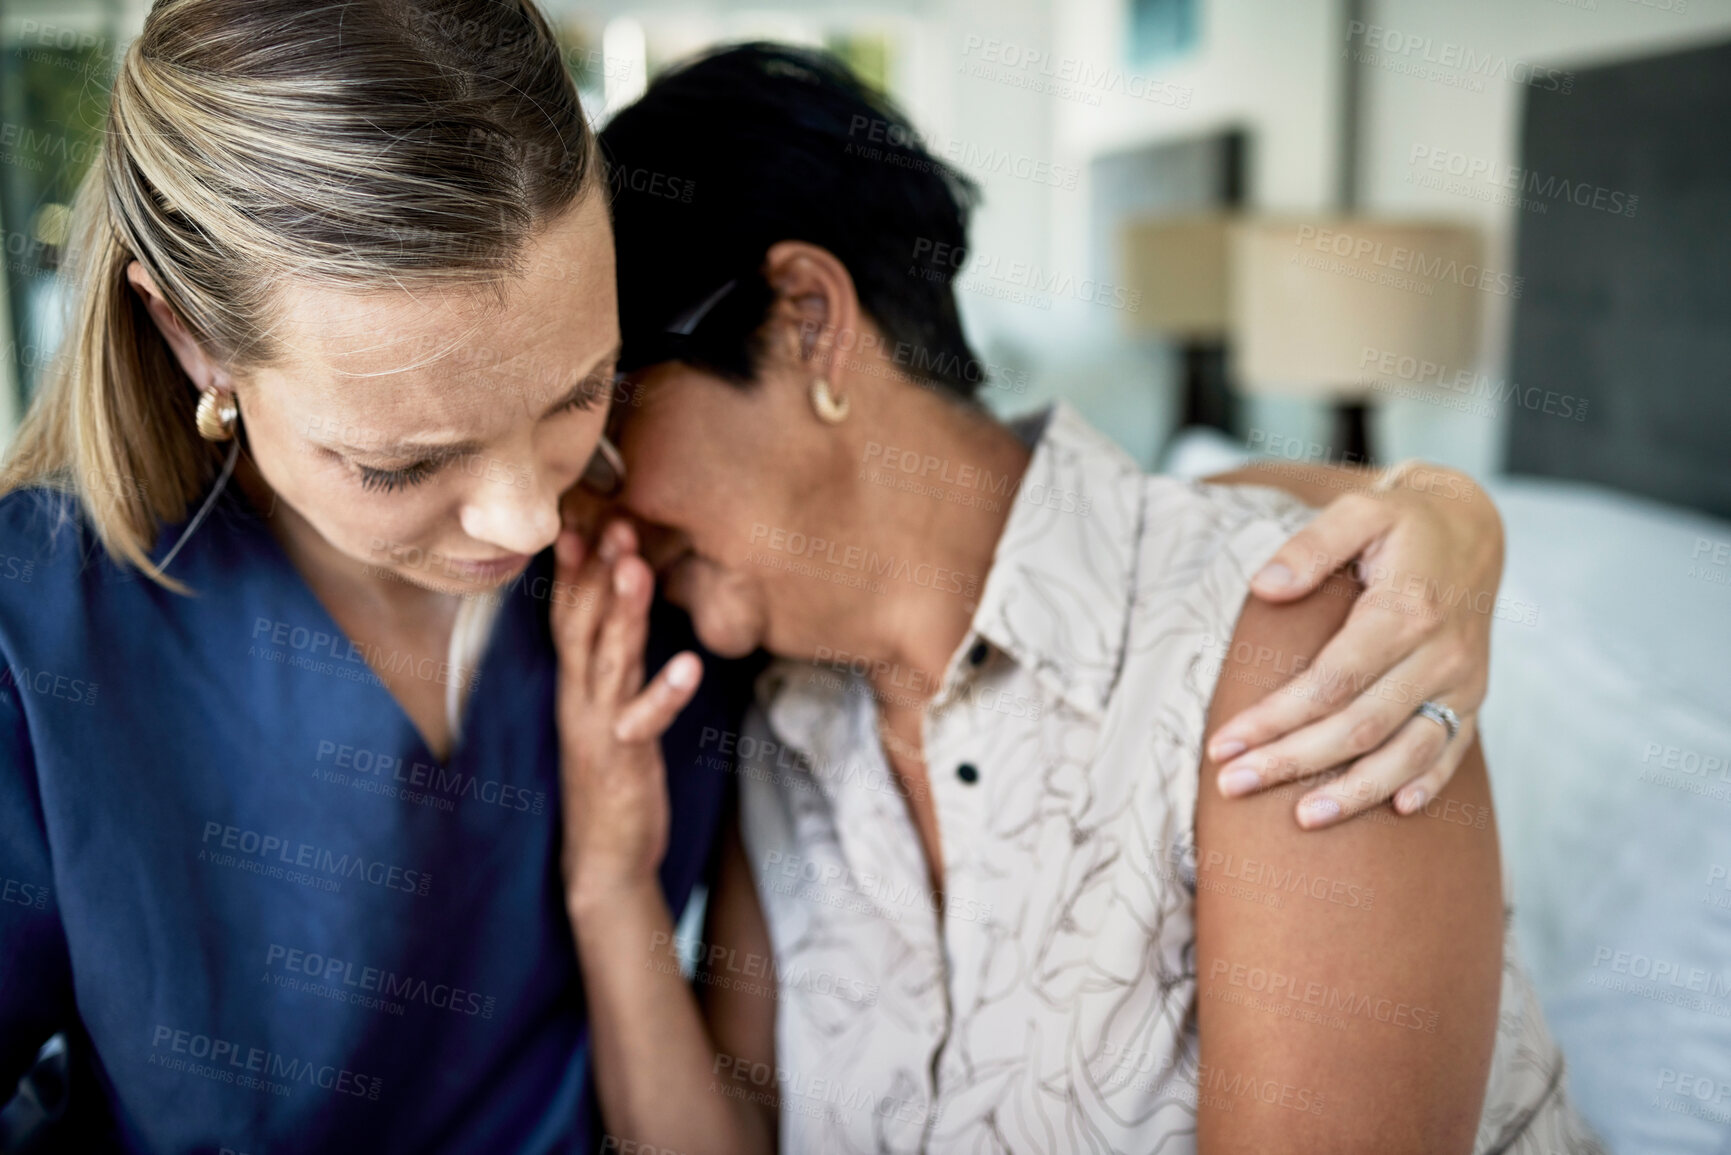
column 1354, row 970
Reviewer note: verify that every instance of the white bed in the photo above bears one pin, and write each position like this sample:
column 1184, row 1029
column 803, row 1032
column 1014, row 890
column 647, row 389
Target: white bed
column 1600, row 727
column 1621, row 666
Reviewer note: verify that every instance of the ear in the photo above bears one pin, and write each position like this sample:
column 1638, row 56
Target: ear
column 816, row 311
column 204, row 372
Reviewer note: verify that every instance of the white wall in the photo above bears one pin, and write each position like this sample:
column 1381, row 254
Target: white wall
column 1404, row 111
column 1273, row 66
column 1080, row 97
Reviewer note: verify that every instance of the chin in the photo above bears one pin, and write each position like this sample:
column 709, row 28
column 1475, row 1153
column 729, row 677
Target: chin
column 724, row 613
column 440, row 581
column 724, row 634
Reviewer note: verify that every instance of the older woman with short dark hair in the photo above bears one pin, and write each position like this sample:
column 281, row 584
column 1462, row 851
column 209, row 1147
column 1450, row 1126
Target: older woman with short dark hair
column 979, row 898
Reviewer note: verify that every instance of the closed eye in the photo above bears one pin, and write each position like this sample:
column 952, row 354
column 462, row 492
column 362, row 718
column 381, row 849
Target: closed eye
column 590, row 391
column 586, row 396
column 391, row 480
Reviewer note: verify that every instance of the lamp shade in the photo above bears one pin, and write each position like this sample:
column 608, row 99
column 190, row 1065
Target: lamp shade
column 1178, row 265
column 1321, row 308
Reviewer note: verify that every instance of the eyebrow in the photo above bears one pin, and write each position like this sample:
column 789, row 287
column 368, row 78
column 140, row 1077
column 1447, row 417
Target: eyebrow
column 437, row 453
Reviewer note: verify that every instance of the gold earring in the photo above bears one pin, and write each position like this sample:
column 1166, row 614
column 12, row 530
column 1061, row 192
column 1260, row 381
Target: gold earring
column 217, row 414
column 830, row 410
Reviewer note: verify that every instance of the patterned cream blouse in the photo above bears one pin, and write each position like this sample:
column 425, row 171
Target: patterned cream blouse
column 1052, row 1008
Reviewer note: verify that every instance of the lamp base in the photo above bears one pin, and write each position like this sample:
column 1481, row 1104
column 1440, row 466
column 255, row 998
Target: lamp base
column 1351, row 440
column 1208, row 399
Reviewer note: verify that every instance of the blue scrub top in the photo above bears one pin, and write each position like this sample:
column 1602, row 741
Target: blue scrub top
column 232, row 873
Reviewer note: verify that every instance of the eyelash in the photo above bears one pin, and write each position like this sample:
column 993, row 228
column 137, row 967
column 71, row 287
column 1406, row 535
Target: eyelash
column 391, row 480
column 605, row 384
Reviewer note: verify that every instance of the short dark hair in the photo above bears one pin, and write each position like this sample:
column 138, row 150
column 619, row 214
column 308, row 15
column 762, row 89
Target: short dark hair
column 741, row 148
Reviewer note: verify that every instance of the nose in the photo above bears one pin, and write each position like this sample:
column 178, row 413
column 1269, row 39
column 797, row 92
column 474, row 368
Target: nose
column 515, row 507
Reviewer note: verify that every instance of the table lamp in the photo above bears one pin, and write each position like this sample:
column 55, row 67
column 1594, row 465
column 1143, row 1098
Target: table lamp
column 1339, row 309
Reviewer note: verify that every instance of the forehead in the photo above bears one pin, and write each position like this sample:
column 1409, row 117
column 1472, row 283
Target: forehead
column 426, row 358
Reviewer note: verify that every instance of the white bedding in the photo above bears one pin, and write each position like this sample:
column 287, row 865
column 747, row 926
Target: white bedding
column 1616, row 828
column 1611, row 659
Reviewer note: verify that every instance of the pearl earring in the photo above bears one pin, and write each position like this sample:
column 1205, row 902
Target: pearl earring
column 829, row 409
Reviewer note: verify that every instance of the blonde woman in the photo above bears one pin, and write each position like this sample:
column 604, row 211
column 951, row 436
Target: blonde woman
column 279, row 797
column 345, row 332
column 986, row 893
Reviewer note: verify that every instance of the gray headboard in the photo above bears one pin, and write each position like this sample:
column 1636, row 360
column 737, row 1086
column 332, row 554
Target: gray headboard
column 1628, row 307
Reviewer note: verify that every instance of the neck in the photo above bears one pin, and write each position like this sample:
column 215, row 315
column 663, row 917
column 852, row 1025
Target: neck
column 942, row 544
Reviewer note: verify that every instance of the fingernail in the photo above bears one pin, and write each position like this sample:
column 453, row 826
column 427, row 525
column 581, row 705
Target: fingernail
column 1274, row 574
column 680, row 674
column 620, row 533
column 624, row 580
column 1231, row 748
column 1316, row 811
column 609, row 548
column 1236, row 782
column 1410, row 800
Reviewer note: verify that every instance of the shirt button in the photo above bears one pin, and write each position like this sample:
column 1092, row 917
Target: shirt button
column 968, row 773
column 978, row 655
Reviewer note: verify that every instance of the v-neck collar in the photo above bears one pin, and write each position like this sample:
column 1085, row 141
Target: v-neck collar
column 234, row 510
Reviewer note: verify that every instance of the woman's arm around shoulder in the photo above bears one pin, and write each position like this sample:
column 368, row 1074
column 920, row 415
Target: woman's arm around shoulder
column 1348, row 980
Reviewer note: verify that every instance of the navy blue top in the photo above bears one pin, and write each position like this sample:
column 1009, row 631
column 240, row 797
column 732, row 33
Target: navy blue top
column 232, row 872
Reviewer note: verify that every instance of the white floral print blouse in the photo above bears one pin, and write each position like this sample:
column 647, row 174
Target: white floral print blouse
column 1052, row 1007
